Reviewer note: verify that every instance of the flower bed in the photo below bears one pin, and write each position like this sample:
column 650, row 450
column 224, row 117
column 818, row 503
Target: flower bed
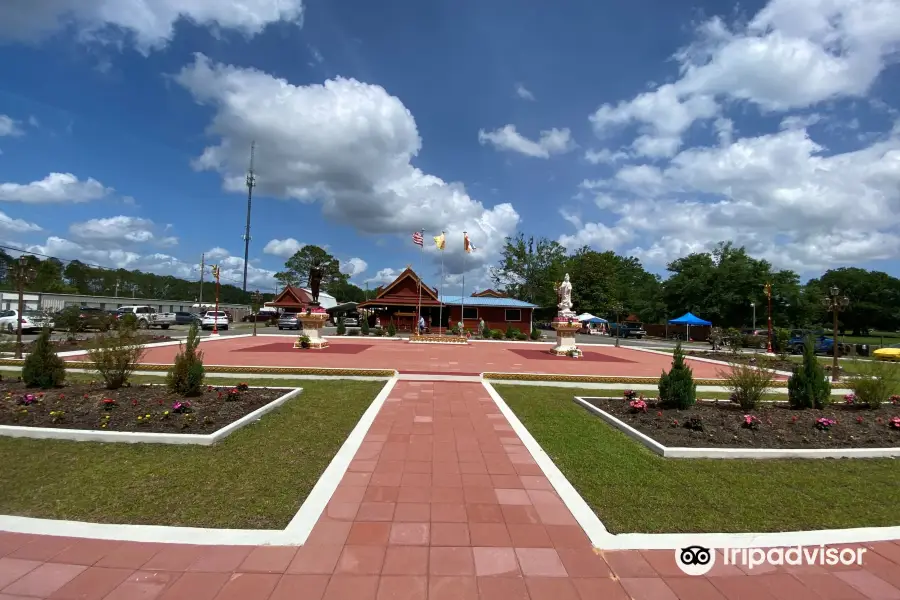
column 726, row 425
column 64, row 345
column 146, row 408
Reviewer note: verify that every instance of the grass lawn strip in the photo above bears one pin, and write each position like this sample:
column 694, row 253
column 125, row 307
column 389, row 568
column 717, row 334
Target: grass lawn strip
column 633, row 490
column 256, row 479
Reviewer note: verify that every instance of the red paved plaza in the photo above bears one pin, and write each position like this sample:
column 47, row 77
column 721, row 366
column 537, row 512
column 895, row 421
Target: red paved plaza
column 441, row 502
column 472, row 359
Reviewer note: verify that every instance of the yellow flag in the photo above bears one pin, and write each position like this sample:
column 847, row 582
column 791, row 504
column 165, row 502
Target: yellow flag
column 440, row 240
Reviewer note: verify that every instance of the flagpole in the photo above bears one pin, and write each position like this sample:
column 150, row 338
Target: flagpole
column 419, row 310
column 441, row 298
column 462, row 298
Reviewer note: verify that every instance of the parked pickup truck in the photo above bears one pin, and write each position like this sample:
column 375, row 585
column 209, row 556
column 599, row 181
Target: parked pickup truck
column 627, row 330
column 147, row 317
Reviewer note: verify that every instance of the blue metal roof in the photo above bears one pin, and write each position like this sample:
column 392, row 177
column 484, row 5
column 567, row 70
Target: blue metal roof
column 487, row 301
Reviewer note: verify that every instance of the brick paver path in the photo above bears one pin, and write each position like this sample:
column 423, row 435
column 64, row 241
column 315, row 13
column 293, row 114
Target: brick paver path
column 443, row 502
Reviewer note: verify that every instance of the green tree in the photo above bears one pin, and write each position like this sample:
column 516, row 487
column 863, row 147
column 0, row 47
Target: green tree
column 677, row 388
column 43, row 368
column 529, row 269
column 344, row 291
column 296, row 269
column 874, row 299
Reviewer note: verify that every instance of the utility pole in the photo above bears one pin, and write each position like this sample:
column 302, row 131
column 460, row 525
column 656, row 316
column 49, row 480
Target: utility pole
column 23, row 274
column 251, row 183
column 202, row 270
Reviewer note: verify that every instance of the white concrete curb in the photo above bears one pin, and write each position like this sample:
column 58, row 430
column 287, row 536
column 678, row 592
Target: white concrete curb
column 303, row 522
column 700, row 359
column 746, row 453
column 176, row 342
column 602, row 539
column 138, row 437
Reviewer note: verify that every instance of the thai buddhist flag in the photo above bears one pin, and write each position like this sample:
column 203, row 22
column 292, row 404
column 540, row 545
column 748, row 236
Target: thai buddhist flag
column 418, row 239
column 468, row 243
column 215, row 271
column 440, row 241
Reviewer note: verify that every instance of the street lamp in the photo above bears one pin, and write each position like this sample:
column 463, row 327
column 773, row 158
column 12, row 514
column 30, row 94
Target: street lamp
column 753, row 304
column 768, row 289
column 617, row 308
column 256, row 300
column 835, row 303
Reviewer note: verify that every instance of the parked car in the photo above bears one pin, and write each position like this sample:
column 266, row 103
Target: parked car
column 88, row 317
column 627, row 330
column 186, row 318
column 822, row 344
column 351, row 322
column 260, row 317
column 888, row 353
column 147, row 317
column 289, row 321
column 214, row 320
column 32, row 320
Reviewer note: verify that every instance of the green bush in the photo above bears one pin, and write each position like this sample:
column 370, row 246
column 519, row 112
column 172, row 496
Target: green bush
column 304, row 341
column 875, row 383
column 364, row 326
column 128, row 321
column 521, row 336
column 43, row 368
column 69, row 320
column 379, row 332
column 734, row 341
column 115, row 355
column 341, row 328
column 511, row 332
column 391, row 330
column 486, row 332
column 677, row 388
column 807, row 385
column 187, row 373
column 353, row 332
column 782, row 342
column 535, row 333
column 497, row 334
column 748, row 383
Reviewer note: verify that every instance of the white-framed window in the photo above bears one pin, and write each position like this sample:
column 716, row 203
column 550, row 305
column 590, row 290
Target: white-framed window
column 514, row 314
column 470, row 312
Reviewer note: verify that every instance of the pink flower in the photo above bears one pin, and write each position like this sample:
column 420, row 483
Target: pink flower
column 638, row 406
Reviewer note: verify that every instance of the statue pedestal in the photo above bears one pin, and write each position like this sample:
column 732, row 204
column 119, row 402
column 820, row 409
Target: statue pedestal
column 565, row 337
column 312, row 323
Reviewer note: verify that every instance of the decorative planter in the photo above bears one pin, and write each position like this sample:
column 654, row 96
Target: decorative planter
column 312, row 322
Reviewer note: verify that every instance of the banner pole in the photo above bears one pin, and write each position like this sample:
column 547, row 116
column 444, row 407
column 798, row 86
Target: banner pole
column 419, row 309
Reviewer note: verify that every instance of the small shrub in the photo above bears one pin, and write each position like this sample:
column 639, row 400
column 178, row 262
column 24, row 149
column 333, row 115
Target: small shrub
column 677, row 388
column 128, row 321
column 341, row 328
column 115, row 356
column 748, row 383
column 486, row 332
column 379, row 332
column 750, row 422
column 824, row 423
column 187, row 372
column 353, row 332
column 364, row 326
column 304, row 341
column 521, row 336
column 535, row 333
column 68, row 320
column 497, row 334
column 734, row 341
column 42, row 367
column 875, row 383
column 638, row 406
column 807, row 386
column 391, row 330
column 511, row 332
column 782, row 343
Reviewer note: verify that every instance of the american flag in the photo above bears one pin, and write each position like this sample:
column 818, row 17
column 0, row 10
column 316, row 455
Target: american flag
column 418, row 240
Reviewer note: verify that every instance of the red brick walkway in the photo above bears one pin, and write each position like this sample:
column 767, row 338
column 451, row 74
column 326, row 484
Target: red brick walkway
column 442, row 502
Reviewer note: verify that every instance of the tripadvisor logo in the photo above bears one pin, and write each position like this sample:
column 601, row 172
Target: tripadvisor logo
column 695, row 560
column 699, row 560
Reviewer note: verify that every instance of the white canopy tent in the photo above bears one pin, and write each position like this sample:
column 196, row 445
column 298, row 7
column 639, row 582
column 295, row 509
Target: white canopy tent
column 584, row 317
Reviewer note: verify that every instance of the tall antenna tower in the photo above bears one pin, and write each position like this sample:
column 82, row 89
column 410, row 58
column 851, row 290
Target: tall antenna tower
column 251, row 183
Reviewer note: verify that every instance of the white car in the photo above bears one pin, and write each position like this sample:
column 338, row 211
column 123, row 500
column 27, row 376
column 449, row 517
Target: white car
column 215, row 320
column 32, row 320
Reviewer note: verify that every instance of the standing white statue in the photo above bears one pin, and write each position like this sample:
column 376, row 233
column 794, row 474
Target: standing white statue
column 564, row 291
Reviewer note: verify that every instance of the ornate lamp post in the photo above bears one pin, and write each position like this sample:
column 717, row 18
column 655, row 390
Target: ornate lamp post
column 617, row 308
column 22, row 274
column 753, row 306
column 835, row 303
column 257, row 297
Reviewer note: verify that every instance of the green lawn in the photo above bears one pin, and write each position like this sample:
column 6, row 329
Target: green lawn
column 257, row 478
column 634, row 490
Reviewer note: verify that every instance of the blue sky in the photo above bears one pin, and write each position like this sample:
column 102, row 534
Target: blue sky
column 652, row 129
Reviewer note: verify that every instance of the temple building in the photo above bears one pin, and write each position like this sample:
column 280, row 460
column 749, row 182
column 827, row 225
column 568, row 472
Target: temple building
column 399, row 302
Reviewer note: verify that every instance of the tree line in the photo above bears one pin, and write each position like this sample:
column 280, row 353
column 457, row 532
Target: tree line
column 720, row 286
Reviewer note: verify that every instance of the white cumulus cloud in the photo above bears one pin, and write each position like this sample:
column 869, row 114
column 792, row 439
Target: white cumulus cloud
column 10, row 225
column 54, row 188
column 285, row 248
column 344, row 144
column 523, row 92
column 151, row 23
column 354, row 266
column 121, row 230
column 9, row 126
column 551, row 141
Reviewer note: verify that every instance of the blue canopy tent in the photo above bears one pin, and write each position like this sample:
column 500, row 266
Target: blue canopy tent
column 598, row 320
column 689, row 319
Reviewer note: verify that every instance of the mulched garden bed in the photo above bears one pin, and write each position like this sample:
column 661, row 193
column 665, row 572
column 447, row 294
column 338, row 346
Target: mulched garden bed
column 776, row 426
column 64, row 345
column 149, row 408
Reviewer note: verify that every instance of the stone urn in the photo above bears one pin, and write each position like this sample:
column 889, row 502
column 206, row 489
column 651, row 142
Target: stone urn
column 566, row 327
column 312, row 321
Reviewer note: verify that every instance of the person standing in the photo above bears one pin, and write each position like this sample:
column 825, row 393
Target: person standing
column 421, row 324
column 481, row 325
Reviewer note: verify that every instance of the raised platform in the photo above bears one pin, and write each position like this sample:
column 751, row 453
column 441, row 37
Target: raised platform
column 437, row 338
